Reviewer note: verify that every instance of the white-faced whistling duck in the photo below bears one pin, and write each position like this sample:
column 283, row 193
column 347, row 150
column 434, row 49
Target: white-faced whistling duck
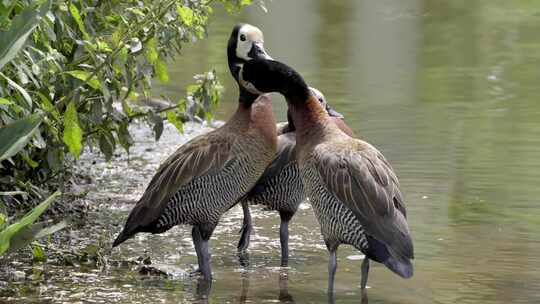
column 207, row 175
column 351, row 186
column 280, row 187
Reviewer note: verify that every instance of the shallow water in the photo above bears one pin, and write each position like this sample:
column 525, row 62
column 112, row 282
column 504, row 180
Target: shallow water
column 447, row 90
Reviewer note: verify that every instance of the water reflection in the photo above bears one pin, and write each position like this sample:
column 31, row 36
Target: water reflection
column 244, row 278
column 202, row 294
column 203, row 289
column 284, row 295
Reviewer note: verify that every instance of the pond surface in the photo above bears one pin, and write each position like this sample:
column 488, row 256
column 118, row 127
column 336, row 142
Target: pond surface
column 449, row 91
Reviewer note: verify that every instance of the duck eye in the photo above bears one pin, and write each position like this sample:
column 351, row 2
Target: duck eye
column 243, row 37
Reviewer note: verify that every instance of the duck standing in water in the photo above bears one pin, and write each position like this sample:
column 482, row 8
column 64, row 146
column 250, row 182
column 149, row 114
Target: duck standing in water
column 280, row 187
column 207, row 175
column 351, row 186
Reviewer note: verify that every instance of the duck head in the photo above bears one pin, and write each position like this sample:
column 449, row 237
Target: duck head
column 319, row 95
column 245, row 43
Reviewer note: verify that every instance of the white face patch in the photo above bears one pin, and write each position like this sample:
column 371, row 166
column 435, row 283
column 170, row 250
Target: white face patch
column 247, row 36
column 319, row 95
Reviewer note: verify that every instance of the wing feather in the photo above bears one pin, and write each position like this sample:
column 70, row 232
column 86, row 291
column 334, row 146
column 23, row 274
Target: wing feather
column 359, row 176
column 206, row 154
column 285, row 156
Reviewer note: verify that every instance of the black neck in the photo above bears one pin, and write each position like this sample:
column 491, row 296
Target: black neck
column 290, row 122
column 245, row 97
column 294, row 88
column 274, row 76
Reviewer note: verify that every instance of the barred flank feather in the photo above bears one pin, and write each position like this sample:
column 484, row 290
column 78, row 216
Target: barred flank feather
column 280, row 187
column 338, row 224
column 206, row 198
column 283, row 192
column 207, row 175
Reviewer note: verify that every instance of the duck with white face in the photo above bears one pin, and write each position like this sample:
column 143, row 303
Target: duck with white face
column 207, row 175
column 280, row 187
column 245, row 43
column 353, row 189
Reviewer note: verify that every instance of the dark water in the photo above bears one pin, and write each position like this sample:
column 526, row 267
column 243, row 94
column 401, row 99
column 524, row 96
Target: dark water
column 449, row 91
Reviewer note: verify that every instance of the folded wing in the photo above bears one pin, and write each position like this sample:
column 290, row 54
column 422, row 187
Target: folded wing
column 360, row 177
column 206, row 154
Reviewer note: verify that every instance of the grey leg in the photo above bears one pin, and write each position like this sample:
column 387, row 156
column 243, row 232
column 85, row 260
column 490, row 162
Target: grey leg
column 332, row 267
column 284, row 239
column 203, row 290
column 363, row 281
column 365, row 270
column 245, row 232
column 205, row 259
column 331, row 298
column 196, row 237
column 203, row 255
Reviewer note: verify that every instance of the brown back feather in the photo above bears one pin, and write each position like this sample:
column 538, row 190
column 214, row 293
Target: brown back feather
column 357, row 174
column 202, row 155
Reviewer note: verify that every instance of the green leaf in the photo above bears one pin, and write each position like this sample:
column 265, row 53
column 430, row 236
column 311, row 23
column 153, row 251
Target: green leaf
column 47, row 105
column 192, row 88
column 7, row 234
column 72, row 131
column 12, row 40
column 38, row 255
column 127, row 109
column 4, row 101
column 51, row 229
column 106, row 145
column 133, row 96
column 151, row 51
column 96, row 112
column 182, row 105
column 33, row 232
column 171, row 117
column 32, row 163
column 85, row 76
column 21, row 90
column 54, row 158
column 103, row 46
column 123, row 54
column 15, row 136
column 235, row 6
column 161, row 70
column 208, row 117
column 78, row 19
column 199, row 31
column 186, row 14
column 124, row 137
column 116, row 36
column 3, row 220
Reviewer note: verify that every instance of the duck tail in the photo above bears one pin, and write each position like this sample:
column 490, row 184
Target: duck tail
column 130, row 228
column 380, row 252
column 122, row 237
column 403, row 268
